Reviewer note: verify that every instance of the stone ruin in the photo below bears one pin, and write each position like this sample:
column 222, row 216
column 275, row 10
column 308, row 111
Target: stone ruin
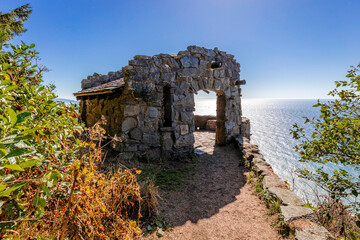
column 149, row 104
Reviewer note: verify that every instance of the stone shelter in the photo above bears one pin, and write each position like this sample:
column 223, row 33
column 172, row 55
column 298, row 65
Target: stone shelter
column 149, row 104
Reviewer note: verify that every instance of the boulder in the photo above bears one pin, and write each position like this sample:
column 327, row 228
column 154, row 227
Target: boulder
column 286, row 196
column 292, row 213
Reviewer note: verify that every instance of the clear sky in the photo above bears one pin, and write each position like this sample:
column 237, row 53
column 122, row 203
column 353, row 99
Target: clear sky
column 286, row 48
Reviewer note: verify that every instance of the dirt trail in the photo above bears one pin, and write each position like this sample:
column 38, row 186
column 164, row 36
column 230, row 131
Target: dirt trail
column 217, row 203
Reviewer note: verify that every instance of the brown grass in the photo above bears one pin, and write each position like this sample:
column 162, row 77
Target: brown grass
column 99, row 206
column 336, row 217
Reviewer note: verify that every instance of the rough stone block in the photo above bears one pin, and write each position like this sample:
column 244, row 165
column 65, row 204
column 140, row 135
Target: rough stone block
column 151, row 140
column 136, row 134
column 184, row 141
column 189, row 62
column 154, row 154
column 152, row 112
column 286, row 196
column 261, row 169
column 291, row 213
column 184, row 129
column 131, row 110
column 273, row 182
column 128, row 124
column 313, row 233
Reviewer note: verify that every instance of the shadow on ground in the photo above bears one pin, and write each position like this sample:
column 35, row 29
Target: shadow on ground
column 216, row 182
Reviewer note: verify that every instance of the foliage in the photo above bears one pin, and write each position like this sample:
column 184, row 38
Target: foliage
column 336, row 139
column 49, row 183
column 335, row 217
column 11, row 23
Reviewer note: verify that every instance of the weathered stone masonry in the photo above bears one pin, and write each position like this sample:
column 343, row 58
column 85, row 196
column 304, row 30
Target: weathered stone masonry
column 149, row 104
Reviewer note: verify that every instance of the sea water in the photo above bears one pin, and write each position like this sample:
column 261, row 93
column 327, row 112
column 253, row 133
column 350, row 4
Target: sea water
column 271, row 121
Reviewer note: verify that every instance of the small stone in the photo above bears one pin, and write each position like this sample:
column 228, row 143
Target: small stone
column 154, row 154
column 184, row 129
column 128, row 124
column 189, row 62
column 152, row 112
column 184, row 141
column 136, row 134
column 152, row 140
column 131, row 110
column 286, row 196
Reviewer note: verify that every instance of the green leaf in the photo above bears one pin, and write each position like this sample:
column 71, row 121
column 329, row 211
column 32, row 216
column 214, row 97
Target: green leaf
column 355, row 193
column 23, row 116
column 51, row 178
column 7, row 192
column 14, row 167
column 29, row 163
column 2, row 187
column 18, row 152
column 39, row 202
column 46, row 190
column 9, row 88
column 12, row 115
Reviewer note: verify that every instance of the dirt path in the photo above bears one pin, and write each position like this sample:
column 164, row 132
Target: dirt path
column 217, row 203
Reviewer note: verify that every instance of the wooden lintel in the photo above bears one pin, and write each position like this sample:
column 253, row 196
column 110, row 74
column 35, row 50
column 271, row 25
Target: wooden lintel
column 92, row 93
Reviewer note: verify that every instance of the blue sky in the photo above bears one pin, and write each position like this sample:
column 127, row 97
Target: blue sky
column 286, row 48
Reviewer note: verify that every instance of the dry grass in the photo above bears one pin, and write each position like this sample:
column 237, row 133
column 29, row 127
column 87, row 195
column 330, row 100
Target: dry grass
column 335, row 217
column 96, row 206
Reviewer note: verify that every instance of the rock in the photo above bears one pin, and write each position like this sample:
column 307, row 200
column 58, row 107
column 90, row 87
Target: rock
column 313, row 233
column 261, row 169
column 273, row 182
column 201, row 120
column 152, row 140
column 184, row 141
column 128, row 124
column 136, row 134
column 130, row 148
column 211, row 125
column 292, row 213
column 154, row 154
column 184, row 129
column 286, row 196
column 131, row 110
column 189, row 62
column 152, row 112
column 167, row 141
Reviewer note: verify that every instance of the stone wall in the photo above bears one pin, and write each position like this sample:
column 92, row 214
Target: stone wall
column 300, row 219
column 97, row 79
column 184, row 74
column 155, row 109
column 201, row 121
column 92, row 108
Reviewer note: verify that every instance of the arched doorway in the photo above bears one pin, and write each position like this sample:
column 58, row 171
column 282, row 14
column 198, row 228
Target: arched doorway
column 210, row 113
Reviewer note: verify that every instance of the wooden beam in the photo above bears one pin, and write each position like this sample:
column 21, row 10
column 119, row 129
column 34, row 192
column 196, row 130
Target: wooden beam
column 92, row 93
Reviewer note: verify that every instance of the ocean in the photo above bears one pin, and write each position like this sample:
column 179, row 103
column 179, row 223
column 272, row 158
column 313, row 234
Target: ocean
column 271, row 121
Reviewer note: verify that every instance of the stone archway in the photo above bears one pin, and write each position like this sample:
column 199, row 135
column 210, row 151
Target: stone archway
column 154, row 101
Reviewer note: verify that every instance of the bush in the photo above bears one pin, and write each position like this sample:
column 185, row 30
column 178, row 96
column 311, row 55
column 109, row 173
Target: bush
column 50, row 185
